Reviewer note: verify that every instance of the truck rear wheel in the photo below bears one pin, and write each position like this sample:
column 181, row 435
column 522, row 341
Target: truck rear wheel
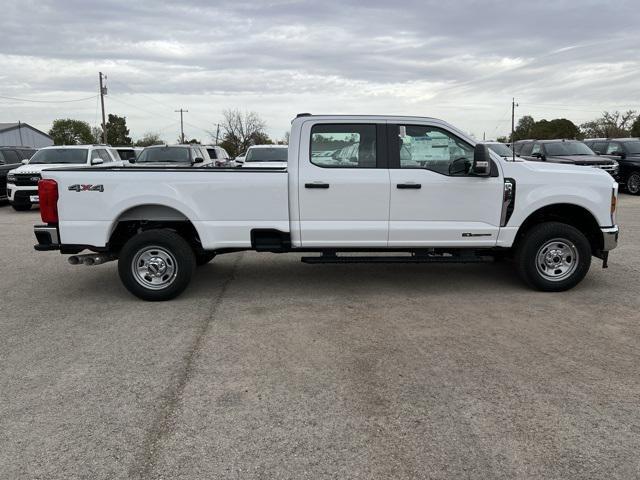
column 156, row 265
column 553, row 257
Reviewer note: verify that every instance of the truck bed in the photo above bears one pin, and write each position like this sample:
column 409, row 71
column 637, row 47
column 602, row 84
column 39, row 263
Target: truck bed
column 223, row 205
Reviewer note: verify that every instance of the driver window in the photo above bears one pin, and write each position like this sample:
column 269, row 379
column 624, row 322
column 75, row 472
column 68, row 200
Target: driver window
column 434, row 149
column 613, row 148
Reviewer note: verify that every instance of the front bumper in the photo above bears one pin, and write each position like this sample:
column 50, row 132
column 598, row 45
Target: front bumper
column 21, row 195
column 609, row 238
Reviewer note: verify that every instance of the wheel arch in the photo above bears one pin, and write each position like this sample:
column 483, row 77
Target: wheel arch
column 568, row 213
column 148, row 216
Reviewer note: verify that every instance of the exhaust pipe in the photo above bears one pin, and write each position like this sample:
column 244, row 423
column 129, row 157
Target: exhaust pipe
column 74, row 260
column 90, row 259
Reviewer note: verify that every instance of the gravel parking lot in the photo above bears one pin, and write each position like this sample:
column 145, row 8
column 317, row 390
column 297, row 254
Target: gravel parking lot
column 269, row 368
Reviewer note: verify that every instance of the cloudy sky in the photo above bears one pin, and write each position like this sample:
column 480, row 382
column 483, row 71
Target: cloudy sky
column 459, row 60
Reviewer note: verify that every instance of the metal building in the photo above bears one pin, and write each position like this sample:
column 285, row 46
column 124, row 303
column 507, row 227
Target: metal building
column 23, row 134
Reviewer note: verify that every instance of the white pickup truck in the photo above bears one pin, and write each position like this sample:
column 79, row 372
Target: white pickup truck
column 354, row 185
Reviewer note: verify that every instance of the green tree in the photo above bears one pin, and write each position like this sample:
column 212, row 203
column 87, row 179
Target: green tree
column 523, row 129
column 556, row 128
column 66, row 131
column 117, row 131
column 149, row 139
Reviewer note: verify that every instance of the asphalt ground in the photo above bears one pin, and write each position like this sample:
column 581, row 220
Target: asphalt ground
column 269, row 368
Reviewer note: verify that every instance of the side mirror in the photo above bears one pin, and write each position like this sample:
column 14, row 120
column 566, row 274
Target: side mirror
column 96, row 161
column 239, row 160
column 132, row 160
column 481, row 161
column 618, row 153
column 198, row 160
column 25, row 161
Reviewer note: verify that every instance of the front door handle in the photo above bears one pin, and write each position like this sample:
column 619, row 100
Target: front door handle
column 316, row 185
column 405, row 186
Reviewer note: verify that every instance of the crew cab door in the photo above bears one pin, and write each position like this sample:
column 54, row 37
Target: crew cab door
column 343, row 185
column 435, row 201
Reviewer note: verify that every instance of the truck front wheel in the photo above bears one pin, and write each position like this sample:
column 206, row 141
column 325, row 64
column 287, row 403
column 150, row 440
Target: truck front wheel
column 553, row 257
column 156, row 265
column 633, row 183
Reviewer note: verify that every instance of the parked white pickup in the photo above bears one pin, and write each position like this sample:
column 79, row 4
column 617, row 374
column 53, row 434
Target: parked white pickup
column 353, row 183
column 22, row 182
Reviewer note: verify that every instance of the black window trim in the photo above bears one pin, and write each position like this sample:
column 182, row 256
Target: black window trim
column 381, row 144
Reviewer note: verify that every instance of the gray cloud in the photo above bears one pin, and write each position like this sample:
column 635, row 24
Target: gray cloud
column 460, row 60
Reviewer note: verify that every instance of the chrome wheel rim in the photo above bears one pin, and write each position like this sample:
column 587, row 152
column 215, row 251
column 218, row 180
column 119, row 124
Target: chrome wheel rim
column 633, row 184
column 557, row 259
column 154, row 268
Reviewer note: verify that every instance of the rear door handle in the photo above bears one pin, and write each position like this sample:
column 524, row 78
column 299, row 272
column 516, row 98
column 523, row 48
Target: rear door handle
column 316, row 185
column 404, row 186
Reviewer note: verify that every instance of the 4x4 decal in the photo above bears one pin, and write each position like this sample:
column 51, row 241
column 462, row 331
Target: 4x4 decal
column 86, row 188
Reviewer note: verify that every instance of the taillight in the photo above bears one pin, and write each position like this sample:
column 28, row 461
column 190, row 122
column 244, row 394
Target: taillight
column 48, row 197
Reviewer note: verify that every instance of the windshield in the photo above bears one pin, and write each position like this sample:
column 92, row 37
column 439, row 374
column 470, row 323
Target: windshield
column 59, row 155
column 164, row 154
column 126, row 154
column 266, row 155
column 567, row 148
column 501, row 149
column 633, row 147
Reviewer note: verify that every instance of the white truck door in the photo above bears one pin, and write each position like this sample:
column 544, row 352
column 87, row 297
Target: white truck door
column 343, row 185
column 434, row 201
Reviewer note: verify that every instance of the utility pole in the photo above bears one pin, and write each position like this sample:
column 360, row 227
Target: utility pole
column 181, row 123
column 513, row 125
column 103, row 92
column 217, row 132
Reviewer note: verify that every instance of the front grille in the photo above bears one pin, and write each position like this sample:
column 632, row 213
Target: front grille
column 27, row 179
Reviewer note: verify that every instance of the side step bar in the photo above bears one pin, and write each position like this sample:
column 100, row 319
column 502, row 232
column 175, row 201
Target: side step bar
column 435, row 258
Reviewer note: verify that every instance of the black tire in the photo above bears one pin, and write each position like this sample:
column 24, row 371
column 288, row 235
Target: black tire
column 168, row 260
column 21, row 207
column 553, row 257
column 204, row 258
column 632, row 185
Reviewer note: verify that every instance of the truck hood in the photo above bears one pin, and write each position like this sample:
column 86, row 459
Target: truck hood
column 580, row 159
column 38, row 167
column 570, row 170
column 265, row 164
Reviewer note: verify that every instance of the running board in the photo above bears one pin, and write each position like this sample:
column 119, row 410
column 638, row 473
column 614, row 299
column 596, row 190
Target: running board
column 398, row 259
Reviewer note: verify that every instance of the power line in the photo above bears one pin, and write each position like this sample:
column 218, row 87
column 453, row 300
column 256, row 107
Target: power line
column 48, row 101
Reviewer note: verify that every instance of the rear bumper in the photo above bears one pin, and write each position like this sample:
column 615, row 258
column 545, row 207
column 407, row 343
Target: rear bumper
column 47, row 238
column 609, row 238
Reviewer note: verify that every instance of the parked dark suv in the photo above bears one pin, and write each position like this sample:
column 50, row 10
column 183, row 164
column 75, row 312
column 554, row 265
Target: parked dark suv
column 565, row 151
column 627, row 152
column 10, row 158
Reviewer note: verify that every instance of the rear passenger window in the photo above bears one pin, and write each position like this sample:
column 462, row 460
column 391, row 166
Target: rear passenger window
column 343, row 146
column 525, row 149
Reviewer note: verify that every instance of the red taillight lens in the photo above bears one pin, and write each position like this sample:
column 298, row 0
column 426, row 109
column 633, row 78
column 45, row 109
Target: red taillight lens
column 48, row 193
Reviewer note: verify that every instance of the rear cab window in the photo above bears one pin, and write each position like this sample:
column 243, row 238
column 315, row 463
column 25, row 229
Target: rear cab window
column 344, row 145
